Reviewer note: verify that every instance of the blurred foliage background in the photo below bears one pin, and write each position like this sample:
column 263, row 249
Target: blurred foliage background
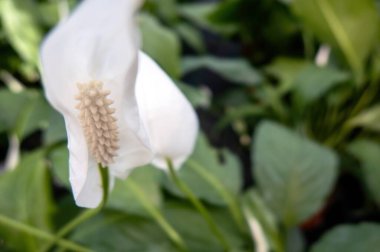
column 288, row 159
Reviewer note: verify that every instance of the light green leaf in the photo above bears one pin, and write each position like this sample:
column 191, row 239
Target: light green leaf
column 161, row 44
column 59, row 158
column 226, row 172
column 362, row 237
column 124, row 199
column 25, row 196
column 197, row 96
column 294, row 174
column 368, row 119
column 56, row 130
column 340, row 23
column 313, row 82
column 21, row 28
column 236, row 70
column 368, row 153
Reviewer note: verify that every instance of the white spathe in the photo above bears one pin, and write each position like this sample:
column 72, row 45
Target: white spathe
column 98, row 42
column 167, row 115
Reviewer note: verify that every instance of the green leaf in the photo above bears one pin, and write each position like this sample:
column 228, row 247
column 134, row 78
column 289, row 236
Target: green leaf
column 21, row 28
column 161, row 44
column 256, row 207
column 191, row 36
column 196, row 232
column 56, row 130
column 313, row 82
column 29, row 112
column 362, row 237
column 199, row 14
column 294, row 174
column 226, row 172
column 59, row 158
column 25, row 196
column 236, row 70
column 368, row 154
column 197, row 96
column 116, row 231
column 340, row 23
column 285, row 70
column 124, row 199
column 368, row 119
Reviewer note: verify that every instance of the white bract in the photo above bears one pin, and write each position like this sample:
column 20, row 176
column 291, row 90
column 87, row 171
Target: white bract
column 89, row 65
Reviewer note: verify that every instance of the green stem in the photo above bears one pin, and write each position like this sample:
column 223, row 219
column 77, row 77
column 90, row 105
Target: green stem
column 198, row 205
column 160, row 219
column 86, row 214
column 222, row 191
column 41, row 234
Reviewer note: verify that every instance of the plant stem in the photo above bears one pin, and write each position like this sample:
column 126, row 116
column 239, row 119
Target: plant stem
column 41, row 234
column 222, row 191
column 198, row 205
column 160, row 219
column 86, row 214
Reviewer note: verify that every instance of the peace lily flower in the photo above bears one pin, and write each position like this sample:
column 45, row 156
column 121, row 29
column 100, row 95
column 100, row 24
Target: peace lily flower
column 89, row 65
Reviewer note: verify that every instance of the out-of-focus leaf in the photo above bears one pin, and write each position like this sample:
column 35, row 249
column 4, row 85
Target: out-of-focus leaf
column 340, row 23
column 294, row 174
column 122, row 198
column 199, row 14
column 257, row 207
column 368, row 153
column 21, row 28
column 225, row 169
column 56, row 130
column 294, row 240
column 197, row 96
column 286, row 71
column 26, row 197
column 235, row 70
column 161, row 44
column 59, row 158
column 368, row 119
column 350, row 238
column 191, row 36
column 116, row 231
column 313, row 82
column 22, row 113
column 197, row 234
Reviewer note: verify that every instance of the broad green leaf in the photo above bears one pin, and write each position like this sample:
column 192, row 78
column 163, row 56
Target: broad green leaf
column 368, row 153
column 26, row 197
column 116, row 231
column 204, row 157
column 294, row 174
column 29, row 111
column 199, row 14
column 196, row 232
column 123, row 198
column 368, row 119
column 56, row 130
column 313, row 82
column 340, row 23
column 236, row 70
column 161, row 44
column 21, row 28
column 362, row 237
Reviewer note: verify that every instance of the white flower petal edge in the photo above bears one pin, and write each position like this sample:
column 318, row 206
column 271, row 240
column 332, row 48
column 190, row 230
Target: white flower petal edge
column 98, row 42
column 168, row 117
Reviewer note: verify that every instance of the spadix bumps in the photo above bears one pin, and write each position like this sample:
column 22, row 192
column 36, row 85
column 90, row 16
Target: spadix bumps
column 98, row 122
